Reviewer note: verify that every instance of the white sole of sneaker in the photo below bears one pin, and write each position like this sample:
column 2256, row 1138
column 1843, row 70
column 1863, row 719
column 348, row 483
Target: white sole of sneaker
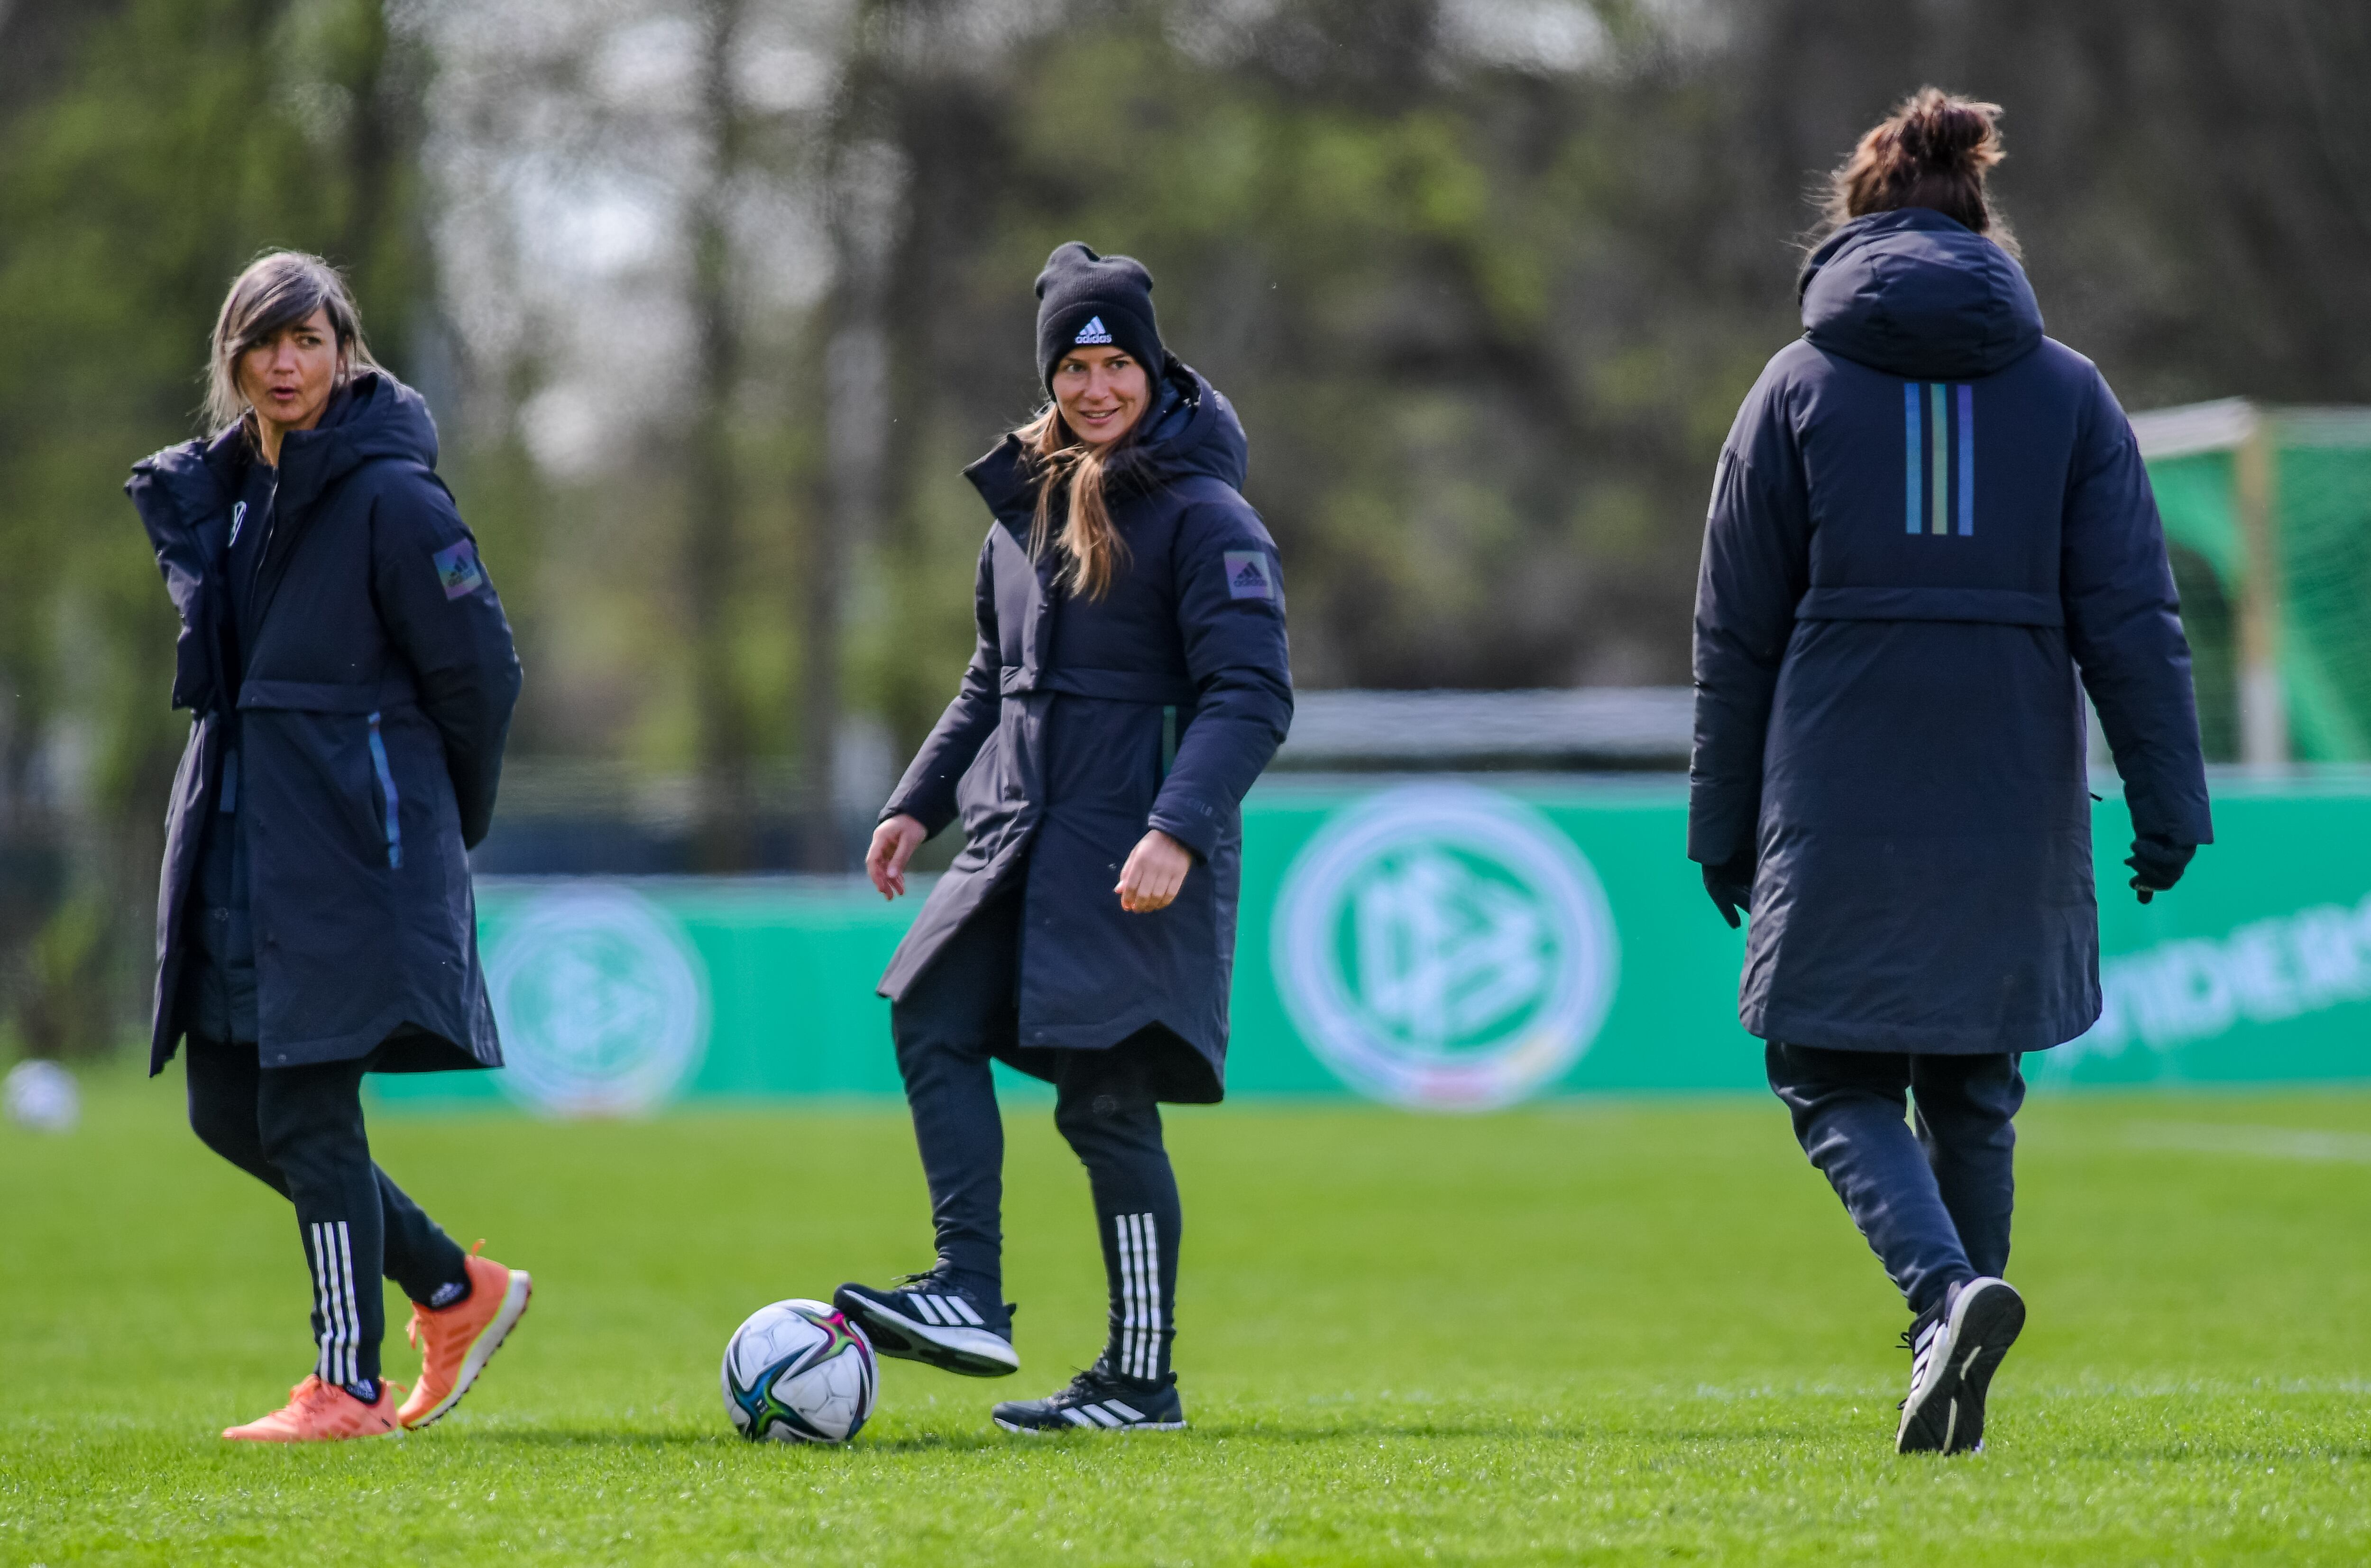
column 515, row 1300
column 1098, row 1426
column 1947, row 1415
column 974, row 1352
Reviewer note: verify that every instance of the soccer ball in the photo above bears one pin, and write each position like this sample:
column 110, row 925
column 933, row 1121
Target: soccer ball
column 798, row 1372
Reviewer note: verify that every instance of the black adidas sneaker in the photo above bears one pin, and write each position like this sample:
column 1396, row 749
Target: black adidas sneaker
column 1099, row 1400
column 1957, row 1351
column 929, row 1317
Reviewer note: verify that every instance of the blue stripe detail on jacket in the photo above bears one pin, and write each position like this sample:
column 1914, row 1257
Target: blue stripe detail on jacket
column 1967, row 461
column 386, row 787
column 1912, row 444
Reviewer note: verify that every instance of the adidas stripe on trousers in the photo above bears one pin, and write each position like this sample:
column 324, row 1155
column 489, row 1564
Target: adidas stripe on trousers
column 299, row 1131
column 955, row 1020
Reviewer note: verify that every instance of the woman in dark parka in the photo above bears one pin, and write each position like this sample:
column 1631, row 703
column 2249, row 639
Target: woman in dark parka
column 1930, row 521
column 350, row 679
column 1129, row 683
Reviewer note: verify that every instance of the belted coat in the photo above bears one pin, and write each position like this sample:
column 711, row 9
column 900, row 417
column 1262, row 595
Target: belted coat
column 1082, row 722
column 377, row 692
column 1930, row 522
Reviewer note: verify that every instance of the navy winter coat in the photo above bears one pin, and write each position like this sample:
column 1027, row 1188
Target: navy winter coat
column 1082, row 722
column 377, row 692
column 1929, row 521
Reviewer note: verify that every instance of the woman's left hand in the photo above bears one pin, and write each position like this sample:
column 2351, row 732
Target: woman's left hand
column 1155, row 870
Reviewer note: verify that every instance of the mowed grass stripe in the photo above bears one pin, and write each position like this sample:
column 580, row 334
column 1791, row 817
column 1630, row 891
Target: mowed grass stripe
column 1620, row 1331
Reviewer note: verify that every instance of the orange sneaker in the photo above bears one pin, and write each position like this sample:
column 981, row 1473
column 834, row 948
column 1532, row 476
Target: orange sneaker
column 322, row 1412
column 456, row 1342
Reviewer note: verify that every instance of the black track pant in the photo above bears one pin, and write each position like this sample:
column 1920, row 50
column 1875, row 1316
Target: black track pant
column 1934, row 1203
column 299, row 1131
column 954, row 1019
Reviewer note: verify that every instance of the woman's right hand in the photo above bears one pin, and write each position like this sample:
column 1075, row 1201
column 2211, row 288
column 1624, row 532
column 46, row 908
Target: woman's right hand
column 894, row 843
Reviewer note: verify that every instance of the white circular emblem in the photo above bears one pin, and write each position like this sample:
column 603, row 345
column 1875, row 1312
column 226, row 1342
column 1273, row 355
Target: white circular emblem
column 602, row 1004
column 1443, row 946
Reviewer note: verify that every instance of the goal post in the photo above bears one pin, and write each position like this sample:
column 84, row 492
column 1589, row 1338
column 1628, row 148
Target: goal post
column 2272, row 508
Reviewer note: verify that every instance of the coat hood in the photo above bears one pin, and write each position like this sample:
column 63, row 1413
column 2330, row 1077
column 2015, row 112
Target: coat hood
column 1191, row 430
column 373, row 415
column 1915, row 293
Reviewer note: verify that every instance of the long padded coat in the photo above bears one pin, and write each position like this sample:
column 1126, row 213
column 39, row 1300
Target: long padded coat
column 1929, row 520
column 377, row 695
column 1082, row 722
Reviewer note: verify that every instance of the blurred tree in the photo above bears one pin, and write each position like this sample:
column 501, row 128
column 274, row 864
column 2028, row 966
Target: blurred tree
column 175, row 140
column 725, row 830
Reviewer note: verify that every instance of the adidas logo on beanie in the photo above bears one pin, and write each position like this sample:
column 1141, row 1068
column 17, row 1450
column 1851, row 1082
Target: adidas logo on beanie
column 1086, row 300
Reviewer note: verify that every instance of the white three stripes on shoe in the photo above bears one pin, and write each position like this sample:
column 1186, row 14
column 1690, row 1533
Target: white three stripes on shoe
column 1111, row 1416
column 1139, row 1295
column 947, row 1311
column 333, row 1295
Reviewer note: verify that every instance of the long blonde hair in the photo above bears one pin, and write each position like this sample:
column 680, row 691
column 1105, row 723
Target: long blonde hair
column 1060, row 461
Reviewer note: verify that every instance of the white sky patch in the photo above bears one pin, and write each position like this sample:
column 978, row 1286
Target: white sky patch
column 564, row 428
column 1548, row 37
column 773, row 78
column 648, row 62
column 600, row 227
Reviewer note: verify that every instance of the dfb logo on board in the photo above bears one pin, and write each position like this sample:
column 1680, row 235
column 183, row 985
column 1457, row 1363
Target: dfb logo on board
column 602, row 1003
column 1444, row 946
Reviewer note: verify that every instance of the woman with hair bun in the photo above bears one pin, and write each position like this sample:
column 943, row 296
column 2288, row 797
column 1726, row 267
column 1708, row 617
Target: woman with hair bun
column 1129, row 683
column 350, row 676
column 1930, row 535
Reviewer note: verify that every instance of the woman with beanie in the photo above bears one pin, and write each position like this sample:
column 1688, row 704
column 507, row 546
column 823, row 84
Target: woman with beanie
column 351, row 676
column 1931, row 534
column 1129, row 683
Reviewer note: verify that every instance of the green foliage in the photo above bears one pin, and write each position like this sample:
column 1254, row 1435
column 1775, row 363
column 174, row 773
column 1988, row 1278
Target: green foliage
column 1627, row 1332
column 1470, row 446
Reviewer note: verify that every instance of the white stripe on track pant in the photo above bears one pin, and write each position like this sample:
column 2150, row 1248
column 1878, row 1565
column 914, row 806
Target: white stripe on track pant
column 339, row 1360
column 1139, row 1291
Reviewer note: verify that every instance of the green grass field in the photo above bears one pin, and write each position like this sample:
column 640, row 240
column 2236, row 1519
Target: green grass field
column 1616, row 1332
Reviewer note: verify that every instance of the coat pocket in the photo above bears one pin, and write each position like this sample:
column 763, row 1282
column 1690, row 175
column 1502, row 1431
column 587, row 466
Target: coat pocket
column 390, row 804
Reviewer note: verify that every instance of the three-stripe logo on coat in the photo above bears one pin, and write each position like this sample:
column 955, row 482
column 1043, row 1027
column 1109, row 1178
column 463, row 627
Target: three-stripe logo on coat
column 1139, row 1295
column 334, row 1299
column 1940, row 441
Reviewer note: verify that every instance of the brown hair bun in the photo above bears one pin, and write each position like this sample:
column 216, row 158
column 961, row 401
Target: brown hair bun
column 1933, row 151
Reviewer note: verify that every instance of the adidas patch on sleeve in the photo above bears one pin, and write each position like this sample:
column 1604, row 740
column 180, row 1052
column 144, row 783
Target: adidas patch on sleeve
column 1249, row 576
column 457, row 569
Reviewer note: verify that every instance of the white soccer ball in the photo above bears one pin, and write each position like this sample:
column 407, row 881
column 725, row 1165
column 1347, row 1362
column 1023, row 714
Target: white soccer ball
column 799, row 1372
column 43, row 1097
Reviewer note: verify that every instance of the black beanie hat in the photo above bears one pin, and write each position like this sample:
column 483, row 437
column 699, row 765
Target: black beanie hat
column 1085, row 299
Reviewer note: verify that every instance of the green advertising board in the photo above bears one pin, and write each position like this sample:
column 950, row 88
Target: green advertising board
column 1452, row 944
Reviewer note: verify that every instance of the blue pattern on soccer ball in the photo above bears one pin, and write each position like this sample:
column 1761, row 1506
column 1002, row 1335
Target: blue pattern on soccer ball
column 820, row 1391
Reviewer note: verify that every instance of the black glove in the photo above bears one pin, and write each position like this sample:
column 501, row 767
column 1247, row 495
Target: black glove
column 1731, row 887
column 2156, row 865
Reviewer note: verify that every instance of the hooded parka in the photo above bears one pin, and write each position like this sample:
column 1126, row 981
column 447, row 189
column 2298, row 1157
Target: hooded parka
column 1082, row 722
column 367, row 730
column 1929, row 522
